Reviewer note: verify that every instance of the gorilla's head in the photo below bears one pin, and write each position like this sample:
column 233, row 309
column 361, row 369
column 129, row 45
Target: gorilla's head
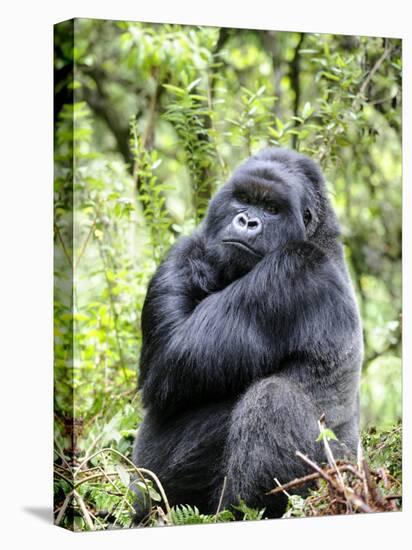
column 275, row 197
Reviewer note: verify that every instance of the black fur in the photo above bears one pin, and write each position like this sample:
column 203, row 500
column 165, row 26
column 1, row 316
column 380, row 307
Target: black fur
column 250, row 333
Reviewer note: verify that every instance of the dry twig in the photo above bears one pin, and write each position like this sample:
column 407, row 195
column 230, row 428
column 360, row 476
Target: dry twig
column 348, row 487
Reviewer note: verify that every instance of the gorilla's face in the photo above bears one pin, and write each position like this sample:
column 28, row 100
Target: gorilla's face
column 265, row 204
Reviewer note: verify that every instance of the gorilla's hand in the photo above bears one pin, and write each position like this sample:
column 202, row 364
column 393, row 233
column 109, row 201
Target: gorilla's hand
column 204, row 276
column 199, row 270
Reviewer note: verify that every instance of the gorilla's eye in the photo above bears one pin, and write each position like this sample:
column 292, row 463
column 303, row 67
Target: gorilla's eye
column 242, row 197
column 272, row 209
column 307, row 216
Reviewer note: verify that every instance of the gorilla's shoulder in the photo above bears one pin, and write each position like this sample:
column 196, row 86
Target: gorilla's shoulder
column 186, row 246
column 305, row 254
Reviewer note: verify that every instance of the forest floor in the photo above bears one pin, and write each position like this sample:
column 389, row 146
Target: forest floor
column 95, row 494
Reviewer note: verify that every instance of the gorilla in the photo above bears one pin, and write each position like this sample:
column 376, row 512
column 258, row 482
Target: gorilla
column 251, row 333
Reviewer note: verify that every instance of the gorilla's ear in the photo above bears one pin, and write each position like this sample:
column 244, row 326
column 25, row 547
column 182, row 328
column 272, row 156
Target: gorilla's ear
column 324, row 224
column 312, row 172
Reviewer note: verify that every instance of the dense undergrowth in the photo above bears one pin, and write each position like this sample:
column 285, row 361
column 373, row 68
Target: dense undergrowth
column 101, row 498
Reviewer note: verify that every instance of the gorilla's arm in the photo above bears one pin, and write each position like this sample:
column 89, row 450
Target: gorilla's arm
column 200, row 342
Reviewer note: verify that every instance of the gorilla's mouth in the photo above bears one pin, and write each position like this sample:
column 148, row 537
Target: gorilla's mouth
column 242, row 245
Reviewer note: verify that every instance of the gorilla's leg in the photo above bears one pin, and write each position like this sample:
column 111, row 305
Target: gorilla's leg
column 271, row 421
column 186, row 454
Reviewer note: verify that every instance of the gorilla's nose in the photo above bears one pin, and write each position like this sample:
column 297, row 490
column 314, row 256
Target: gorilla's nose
column 245, row 225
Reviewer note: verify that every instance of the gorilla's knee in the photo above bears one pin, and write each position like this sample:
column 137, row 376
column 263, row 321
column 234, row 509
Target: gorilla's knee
column 270, row 423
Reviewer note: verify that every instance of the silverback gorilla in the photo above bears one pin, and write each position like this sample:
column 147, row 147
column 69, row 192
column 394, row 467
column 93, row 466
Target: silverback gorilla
column 250, row 333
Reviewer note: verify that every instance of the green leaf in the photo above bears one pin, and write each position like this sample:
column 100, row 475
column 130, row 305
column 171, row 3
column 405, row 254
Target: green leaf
column 307, row 110
column 174, row 89
column 123, row 474
column 261, row 91
column 156, row 164
column 193, row 84
column 327, row 434
column 330, row 76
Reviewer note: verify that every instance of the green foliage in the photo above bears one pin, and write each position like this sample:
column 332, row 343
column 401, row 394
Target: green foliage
column 295, row 508
column 187, row 515
column 249, row 514
column 161, row 115
column 327, row 434
column 189, row 113
column 151, row 195
column 255, row 118
column 384, row 449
